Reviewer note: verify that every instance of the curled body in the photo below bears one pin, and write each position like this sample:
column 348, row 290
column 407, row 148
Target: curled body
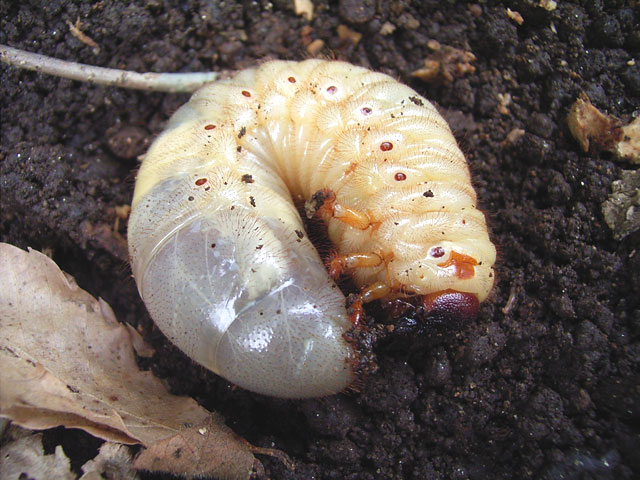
column 218, row 247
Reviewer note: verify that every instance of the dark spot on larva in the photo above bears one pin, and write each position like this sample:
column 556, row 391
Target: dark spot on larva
column 437, row 252
column 366, row 111
column 400, row 177
column 233, row 207
column 238, row 149
column 464, row 222
column 261, row 313
column 259, row 247
column 396, row 223
column 300, row 233
column 201, row 181
column 393, row 116
column 242, row 133
column 209, row 127
column 417, row 101
column 252, row 201
column 291, row 79
column 490, row 274
column 72, row 389
column 207, row 188
column 332, row 90
column 177, row 453
column 428, row 194
column 213, row 245
column 190, row 199
column 246, row 93
column 278, row 311
column 247, row 178
column 386, row 146
column 253, row 270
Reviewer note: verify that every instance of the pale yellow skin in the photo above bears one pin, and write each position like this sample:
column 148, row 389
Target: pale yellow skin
column 295, row 129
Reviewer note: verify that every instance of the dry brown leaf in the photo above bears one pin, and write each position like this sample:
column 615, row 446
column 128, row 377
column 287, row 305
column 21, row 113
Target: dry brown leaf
column 65, row 360
column 113, row 462
column 24, row 458
column 208, row 449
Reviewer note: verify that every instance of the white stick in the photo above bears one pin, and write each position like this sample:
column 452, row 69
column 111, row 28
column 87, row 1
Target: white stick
column 160, row 82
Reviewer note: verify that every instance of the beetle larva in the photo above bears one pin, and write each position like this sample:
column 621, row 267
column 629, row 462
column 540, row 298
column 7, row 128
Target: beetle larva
column 218, row 247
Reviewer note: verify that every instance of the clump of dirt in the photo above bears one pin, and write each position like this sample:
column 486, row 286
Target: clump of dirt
column 544, row 384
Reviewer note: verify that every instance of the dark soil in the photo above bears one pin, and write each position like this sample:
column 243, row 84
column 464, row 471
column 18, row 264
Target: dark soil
column 548, row 387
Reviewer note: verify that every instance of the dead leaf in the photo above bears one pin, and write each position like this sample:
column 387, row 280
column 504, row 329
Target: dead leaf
column 24, row 458
column 113, row 462
column 65, row 360
column 208, row 449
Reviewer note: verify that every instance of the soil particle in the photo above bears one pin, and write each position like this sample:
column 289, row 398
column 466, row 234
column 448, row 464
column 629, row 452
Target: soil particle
column 357, row 11
column 544, row 388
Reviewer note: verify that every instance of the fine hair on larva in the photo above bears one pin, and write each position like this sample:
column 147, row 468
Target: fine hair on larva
column 218, row 247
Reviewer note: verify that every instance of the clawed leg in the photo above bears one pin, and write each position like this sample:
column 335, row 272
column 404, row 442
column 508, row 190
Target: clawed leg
column 323, row 202
column 339, row 264
column 356, row 301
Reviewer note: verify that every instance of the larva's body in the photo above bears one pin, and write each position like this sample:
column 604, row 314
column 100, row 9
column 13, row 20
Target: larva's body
column 217, row 245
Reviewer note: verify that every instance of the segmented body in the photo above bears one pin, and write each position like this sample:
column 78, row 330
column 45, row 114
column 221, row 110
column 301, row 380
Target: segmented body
column 217, row 244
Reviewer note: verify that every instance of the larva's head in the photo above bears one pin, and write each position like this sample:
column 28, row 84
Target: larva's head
column 461, row 280
column 440, row 268
column 443, row 255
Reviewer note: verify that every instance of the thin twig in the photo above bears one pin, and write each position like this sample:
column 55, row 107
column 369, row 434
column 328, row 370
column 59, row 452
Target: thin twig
column 159, row 82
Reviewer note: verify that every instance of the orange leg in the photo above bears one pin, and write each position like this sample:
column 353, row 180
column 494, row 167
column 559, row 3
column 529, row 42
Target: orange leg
column 323, row 202
column 355, row 302
column 338, row 264
column 375, row 291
